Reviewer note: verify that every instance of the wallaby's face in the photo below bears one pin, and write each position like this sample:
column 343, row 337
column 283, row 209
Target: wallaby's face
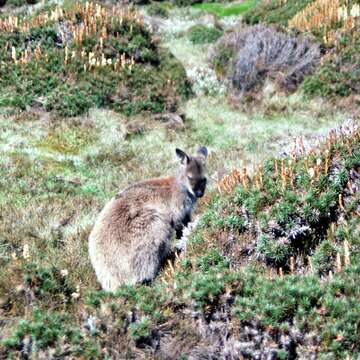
column 192, row 171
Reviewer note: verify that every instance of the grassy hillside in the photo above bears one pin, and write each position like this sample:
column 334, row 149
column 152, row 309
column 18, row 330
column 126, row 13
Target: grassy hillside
column 272, row 269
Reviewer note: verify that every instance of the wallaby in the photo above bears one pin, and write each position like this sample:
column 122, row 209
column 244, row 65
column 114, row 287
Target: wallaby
column 132, row 236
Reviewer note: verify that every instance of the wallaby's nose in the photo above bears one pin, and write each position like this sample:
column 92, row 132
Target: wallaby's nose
column 199, row 193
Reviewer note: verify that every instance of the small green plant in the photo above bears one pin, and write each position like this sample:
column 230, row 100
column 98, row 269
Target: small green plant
column 44, row 329
column 274, row 251
column 330, row 80
column 324, row 257
column 140, row 330
column 202, row 34
column 48, row 283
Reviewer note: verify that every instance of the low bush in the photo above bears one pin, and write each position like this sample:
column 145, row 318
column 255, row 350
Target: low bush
column 158, row 9
column 254, row 54
column 202, row 34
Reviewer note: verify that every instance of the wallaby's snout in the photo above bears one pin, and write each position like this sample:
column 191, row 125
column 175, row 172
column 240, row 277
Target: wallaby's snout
column 200, row 188
column 194, row 171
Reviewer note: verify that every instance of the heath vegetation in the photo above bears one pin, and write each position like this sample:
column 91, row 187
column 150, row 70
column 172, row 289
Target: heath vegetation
column 69, row 59
column 97, row 96
column 275, row 255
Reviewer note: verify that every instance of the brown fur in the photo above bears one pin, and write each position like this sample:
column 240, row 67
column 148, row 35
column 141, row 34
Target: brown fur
column 131, row 238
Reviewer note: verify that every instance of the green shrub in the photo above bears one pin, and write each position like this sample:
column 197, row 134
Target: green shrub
column 324, row 256
column 274, row 251
column 202, row 34
column 44, row 329
column 158, row 9
column 140, row 329
column 339, row 74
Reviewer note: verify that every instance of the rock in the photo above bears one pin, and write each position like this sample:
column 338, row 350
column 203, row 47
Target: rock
column 134, row 128
column 64, row 33
column 172, row 120
column 246, row 348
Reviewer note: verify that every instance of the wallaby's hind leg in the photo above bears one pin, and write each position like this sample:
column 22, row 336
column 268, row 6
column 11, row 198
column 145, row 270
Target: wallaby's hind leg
column 149, row 259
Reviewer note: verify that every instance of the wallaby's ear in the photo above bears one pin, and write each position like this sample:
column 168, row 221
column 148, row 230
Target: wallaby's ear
column 182, row 156
column 202, row 153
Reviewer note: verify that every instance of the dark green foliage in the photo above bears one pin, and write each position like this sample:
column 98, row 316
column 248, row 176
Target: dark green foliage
column 140, row 329
column 324, row 257
column 158, row 9
column 48, row 283
column 287, row 220
column 45, row 329
column 222, row 59
column 274, row 251
column 210, row 260
column 50, row 329
column 234, row 221
column 285, row 210
column 203, row 34
column 314, row 305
